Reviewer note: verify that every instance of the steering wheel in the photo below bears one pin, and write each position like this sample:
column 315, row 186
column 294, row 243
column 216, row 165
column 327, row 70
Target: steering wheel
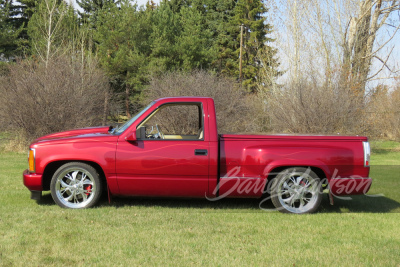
column 160, row 134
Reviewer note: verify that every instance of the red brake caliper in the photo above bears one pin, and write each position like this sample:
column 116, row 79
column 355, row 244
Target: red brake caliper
column 88, row 190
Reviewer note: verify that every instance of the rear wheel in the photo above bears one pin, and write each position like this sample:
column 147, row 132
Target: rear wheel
column 296, row 190
column 76, row 185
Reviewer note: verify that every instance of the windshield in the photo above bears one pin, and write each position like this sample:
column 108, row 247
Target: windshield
column 129, row 122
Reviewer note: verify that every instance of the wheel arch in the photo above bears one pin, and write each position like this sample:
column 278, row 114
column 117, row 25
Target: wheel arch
column 53, row 166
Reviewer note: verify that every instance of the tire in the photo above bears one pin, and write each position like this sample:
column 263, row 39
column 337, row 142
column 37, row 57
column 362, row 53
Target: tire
column 296, row 190
column 76, row 185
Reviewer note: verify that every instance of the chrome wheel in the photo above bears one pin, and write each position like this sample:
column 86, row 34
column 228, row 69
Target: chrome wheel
column 297, row 190
column 75, row 185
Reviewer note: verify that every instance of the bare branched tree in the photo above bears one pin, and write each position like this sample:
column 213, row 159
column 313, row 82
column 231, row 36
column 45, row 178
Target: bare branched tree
column 359, row 39
column 319, row 37
column 46, row 29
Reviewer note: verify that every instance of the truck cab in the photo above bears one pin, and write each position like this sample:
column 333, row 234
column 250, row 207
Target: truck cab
column 170, row 150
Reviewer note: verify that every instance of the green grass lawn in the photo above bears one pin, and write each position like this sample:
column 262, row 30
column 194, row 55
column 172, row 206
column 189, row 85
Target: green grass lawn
column 363, row 231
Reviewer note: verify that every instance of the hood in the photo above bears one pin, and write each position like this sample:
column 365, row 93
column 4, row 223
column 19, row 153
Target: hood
column 76, row 132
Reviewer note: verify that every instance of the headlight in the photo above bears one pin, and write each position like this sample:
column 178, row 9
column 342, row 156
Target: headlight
column 31, row 159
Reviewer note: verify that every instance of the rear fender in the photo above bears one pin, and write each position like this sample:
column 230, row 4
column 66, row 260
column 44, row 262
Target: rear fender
column 270, row 169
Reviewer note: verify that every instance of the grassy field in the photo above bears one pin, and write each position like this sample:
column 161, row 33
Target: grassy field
column 363, row 231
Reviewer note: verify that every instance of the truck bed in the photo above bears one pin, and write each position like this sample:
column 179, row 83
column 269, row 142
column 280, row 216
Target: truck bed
column 255, row 159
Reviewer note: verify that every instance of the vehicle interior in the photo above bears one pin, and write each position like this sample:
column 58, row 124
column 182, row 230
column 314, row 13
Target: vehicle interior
column 175, row 121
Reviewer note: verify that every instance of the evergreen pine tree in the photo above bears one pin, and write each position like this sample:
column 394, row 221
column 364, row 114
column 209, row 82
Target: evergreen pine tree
column 252, row 15
column 91, row 9
column 13, row 21
column 223, row 19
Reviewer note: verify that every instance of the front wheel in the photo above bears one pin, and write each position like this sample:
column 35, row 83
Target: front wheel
column 76, row 185
column 296, row 190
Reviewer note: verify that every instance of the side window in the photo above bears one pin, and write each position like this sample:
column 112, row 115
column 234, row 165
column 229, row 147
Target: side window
column 175, row 121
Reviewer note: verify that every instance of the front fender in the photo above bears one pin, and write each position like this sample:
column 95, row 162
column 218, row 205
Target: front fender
column 100, row 153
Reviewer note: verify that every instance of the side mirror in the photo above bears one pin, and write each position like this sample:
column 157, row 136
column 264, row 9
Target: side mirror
column 131, row 137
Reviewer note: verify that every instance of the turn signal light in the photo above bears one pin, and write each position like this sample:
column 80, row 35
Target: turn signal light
column 31, row 160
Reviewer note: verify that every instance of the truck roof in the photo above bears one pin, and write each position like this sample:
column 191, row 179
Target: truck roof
column 183, row 98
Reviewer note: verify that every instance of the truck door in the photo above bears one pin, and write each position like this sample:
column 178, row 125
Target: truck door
column 171, row 159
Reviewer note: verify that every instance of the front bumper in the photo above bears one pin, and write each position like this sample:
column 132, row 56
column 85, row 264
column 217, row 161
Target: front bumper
column 33, row 181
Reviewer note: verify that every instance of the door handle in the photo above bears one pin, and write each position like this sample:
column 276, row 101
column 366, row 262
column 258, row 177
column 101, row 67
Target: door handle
column 200, row 152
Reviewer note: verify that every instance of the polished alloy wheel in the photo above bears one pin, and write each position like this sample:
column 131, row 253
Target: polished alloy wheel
column 298, row 192
column 75, row 185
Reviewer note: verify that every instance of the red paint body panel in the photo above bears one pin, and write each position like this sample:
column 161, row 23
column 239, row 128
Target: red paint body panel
column 162, row 168
column 76, row 132
column 257, row 156
column 240, row 164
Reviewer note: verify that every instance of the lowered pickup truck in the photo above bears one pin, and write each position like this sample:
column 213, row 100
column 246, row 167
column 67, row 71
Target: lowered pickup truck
column 172, row 149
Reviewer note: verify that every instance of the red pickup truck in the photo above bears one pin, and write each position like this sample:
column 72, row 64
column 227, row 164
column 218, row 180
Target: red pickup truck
column 172, row 149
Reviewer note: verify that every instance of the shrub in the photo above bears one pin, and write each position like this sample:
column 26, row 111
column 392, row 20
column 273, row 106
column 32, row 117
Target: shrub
column 384, row 113
column 67, row 94
column 236, row 110
column 312, row 109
